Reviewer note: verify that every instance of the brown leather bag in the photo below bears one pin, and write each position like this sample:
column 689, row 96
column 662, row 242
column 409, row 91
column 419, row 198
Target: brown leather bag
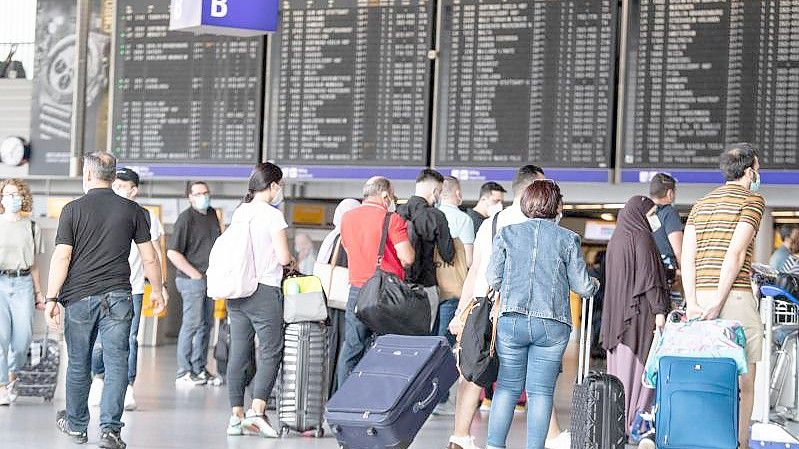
column 450, row 277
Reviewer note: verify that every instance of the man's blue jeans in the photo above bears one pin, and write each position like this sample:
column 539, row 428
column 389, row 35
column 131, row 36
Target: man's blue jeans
column 105, row 317
column 356, row 339
column 530, row 350
column 446, row 312
column 133, row 359
column 16, row 323
column 195, row 331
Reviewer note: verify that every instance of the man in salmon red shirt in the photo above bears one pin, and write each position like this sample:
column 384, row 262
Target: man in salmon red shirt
column 361, row 230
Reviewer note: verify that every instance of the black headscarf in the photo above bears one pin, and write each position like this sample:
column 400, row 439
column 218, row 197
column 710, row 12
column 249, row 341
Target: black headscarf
column 633, row 268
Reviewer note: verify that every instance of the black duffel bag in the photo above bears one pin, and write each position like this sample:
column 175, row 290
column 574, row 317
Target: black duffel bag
column 388, row 305
column 476, row 348
column 788, row 282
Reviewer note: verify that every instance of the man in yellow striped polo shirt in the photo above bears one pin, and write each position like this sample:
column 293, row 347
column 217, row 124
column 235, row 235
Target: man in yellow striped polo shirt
column 717, row 259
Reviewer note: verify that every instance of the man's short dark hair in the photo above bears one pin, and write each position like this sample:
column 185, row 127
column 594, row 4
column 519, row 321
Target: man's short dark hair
column 191, row 184
column 102, row 164
column 736, row 159
column 126, row 174
column 525, row 176
column 787, row 229
column 489, row 187
column 661, row 184
column 427, row 175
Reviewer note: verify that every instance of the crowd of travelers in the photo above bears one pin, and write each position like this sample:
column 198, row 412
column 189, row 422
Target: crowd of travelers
column 107, row 245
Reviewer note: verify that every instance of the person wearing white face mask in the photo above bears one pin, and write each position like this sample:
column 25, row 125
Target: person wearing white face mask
column 195, row 232
column 492, row 195
column 126, row 185
column 20, row 288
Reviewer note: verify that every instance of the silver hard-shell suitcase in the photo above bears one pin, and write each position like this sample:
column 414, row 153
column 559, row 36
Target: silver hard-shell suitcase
column 303, row 382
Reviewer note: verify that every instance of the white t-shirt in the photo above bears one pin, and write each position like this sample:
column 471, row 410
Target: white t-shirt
column 484, row 243
column 265, row 220
column 136, row 267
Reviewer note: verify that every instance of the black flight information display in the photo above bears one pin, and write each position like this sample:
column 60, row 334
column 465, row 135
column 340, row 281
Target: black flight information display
column 526, row 81
column 704, row 74
column 180, row 97
column 350, row 83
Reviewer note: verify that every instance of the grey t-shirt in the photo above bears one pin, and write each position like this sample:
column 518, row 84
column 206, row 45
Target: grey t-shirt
column 20, row 241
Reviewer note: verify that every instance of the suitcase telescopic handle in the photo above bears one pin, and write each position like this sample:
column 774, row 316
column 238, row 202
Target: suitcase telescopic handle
column 424, row 403
column 586, row 329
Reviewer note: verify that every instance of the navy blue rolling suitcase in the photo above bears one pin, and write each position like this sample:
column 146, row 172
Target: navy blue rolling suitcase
column 392, row 392
column 697, row 403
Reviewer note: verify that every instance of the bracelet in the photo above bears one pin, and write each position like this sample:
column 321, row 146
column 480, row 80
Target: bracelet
column 51, row 300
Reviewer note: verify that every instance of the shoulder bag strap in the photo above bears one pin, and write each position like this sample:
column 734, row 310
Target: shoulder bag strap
column 333, row 263
column 383, row 239
column 494, row 225
column 494, row 296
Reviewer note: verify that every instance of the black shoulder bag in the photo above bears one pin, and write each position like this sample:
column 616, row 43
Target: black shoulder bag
column 388, row 305
column 476, row 348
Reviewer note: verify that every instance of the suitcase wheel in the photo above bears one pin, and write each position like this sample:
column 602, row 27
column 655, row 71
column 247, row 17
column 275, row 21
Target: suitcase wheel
column 284, row 431
column 320, row 433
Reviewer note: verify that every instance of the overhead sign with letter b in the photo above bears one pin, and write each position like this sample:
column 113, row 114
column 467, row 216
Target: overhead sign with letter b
column 242, row 18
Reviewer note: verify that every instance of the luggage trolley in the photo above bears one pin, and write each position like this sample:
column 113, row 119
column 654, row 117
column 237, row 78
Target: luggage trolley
column 765, row 433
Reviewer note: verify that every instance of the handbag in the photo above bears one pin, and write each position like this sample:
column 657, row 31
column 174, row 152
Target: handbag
column 476, row 348
column 388, row 305
column 335, row 280
column 303, row 299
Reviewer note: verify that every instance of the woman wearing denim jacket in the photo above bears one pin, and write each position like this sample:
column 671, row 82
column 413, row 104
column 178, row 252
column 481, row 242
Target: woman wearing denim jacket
column 533, row 266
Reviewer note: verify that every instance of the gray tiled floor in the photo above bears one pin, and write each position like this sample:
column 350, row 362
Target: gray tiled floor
column 196, row 418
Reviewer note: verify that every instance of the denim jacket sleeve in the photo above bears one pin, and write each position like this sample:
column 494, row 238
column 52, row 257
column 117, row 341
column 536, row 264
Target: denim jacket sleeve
column 579, row 280
column 496, row 266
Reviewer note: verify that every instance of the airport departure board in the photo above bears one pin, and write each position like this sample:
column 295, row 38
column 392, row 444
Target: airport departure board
column 704, row 74
column 180, row 97
column 350, row 83
column 526, row 81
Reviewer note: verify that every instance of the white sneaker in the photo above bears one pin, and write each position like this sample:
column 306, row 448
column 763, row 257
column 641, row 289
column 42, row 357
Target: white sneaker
column 562, row 441
column 96, row 392
column 189, row 380
column 12, row 390
column 462, row 443
column 255, row 424
column 234, row 428
column 5, row 397
column 647, row 443
column 130, row 400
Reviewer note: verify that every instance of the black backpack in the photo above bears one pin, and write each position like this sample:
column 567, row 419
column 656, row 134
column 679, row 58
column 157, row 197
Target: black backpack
column 476, row 348
column 388, row 305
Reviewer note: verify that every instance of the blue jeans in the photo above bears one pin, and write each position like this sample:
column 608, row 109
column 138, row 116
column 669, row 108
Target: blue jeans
column 446, row 312
column 530, row 350
column 16, row 323
column 356, row 339
column 133, row 359
column 105, row 317
column 195, row 331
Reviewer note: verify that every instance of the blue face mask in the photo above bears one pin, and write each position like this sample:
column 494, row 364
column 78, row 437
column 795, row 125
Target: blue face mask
column 201, row 203
column 755, row 186
column 12, row 204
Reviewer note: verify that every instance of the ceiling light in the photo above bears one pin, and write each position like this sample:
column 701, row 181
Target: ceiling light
column 607, row 216
column 613, row 206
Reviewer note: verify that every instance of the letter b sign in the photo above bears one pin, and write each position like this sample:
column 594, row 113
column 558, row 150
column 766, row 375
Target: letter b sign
column 218, row 8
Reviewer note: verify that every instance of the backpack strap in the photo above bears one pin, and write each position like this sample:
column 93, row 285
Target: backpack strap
column 494, row 225
column 383, row 239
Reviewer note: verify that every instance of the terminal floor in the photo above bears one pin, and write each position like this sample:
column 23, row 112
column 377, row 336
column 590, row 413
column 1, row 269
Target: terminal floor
column 196, row 418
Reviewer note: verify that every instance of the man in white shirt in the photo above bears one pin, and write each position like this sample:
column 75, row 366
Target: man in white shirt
column 476, row 285
column 126, row 185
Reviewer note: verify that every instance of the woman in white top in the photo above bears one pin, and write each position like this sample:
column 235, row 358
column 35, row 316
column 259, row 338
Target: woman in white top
column 20, row 243
column 262, row 313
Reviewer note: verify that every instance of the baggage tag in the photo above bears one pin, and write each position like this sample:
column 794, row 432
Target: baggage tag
column 36, row 353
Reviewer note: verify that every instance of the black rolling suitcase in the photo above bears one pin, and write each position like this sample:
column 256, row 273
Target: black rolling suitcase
column 303, row 380
column 39, row 376
column 598, row 420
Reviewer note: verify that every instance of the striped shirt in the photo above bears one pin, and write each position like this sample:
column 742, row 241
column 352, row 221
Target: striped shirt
column 715, row 217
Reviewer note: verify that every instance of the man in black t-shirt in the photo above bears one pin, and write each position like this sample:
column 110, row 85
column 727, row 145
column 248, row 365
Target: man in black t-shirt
column 194, row 234
column 666, row 223
column 90, row 277
column 492, row 195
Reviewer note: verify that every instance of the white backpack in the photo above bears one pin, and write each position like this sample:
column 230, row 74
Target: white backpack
column 231, row 266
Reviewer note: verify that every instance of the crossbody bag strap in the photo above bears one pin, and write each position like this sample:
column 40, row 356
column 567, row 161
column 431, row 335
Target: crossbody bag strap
column 494, row 225
column 494, row 322
column 383, row 239
column 334, row 262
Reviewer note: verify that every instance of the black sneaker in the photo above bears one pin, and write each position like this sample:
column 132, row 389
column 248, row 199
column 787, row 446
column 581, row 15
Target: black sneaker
column 63, row 426
column 209, row 378
column 111, row 439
